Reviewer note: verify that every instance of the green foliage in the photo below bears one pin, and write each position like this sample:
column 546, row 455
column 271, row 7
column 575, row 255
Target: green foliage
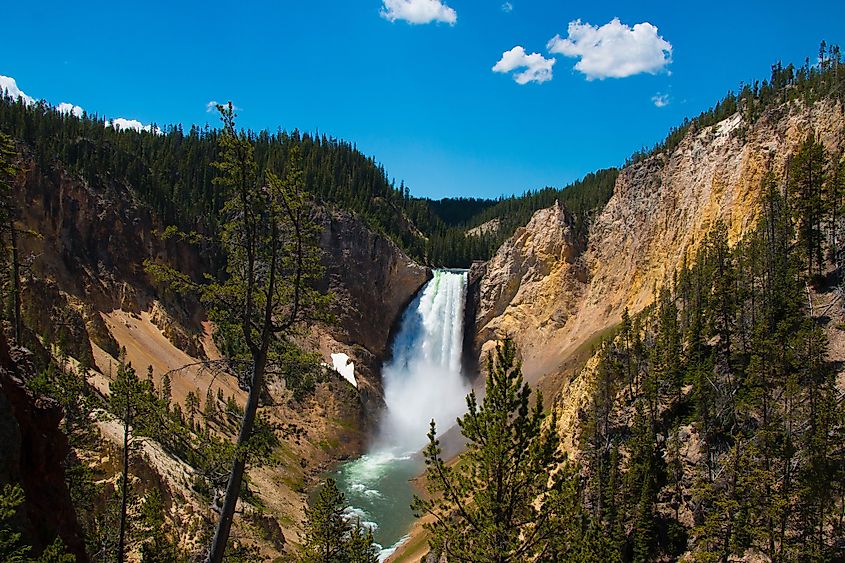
column 192, row 405
column 787, row 84
column 156, row 546
column 137, row 399
column 166, row 390
column 67, row 386
column 9, row 170
column 807, row 186
column 732, row 354
column 8, row 173
column 360, row 547
column 210, row 409
column 10, row 539
column 495, row 505
column 242, row 553
column 97, row 510
column 582, row 198
column 641, row 484
column 55, row 553
column 12, row 548
column 265, row 291
column 172, row 172
column 332, row 537
column 576, row 536
column 449, row 243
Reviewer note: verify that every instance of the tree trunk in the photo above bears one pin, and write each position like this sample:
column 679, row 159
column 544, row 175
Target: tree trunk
column 124, row 486
column 233, row 488
column 16, row 282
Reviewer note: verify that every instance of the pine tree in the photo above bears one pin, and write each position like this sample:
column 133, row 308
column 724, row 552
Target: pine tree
column 125, row 396
column 495, row 506
column 268, row 238
column 835, row 193
column 625, row 331
column 8, row 214
column 166, row 391
column 577, row 536
column 807, row 180
column 156, row 547
column 192, row 405
column 332, row 538
column 210, row 410
column 642, row 478
column 11, row 546
column 360, row 547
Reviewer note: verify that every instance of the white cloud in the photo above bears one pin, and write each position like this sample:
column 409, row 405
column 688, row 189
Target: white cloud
column 660, row 100
column 537, row 68
column 123, row 123
column 507, row 7
column 418, row 11
column 10, row 87
column 66, row 108
column 613, row 50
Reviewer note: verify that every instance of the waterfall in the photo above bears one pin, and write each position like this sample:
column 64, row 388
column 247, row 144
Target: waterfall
column 422, row 381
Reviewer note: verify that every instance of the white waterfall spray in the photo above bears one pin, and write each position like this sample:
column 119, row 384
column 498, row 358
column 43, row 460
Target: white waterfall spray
column 423, row 380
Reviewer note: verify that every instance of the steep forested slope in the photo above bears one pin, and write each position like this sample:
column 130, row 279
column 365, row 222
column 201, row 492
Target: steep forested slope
column 170, row 172
column 695, row 345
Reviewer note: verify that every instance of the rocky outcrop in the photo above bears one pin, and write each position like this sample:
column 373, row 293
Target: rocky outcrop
column 371, row 278
column 490, row 227
column 554, row 300
column 86, row 281
column 90, row 247
column 47, row 312
column 533, row 282
column 92, row 242
column 543, row 255
column 475, row 276
column 33, row 452
column 174, row 330
column 372, row 281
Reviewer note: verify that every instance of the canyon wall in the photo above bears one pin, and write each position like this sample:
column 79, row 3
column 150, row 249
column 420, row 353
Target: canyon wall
column 83, row 247
column 556, row 299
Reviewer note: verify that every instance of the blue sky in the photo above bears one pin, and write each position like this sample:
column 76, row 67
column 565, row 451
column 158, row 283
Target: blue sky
column 421, row 96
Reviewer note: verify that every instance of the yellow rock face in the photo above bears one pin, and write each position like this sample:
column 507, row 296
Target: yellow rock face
column 554, row 300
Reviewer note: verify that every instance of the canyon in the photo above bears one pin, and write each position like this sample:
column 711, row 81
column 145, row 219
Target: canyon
column 554, row 292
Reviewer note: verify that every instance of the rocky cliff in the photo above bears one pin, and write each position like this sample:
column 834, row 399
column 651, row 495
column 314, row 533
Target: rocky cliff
column 371, row 278
column 85, row 286
column 87, row 252
column 87, row 246
column 33, row 454
column 372, row 281
column 555, row 298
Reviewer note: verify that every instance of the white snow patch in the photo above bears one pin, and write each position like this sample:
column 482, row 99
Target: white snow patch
column 345, row 367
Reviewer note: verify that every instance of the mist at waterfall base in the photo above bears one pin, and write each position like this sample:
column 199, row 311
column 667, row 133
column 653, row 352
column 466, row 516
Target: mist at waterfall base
column 422, row 381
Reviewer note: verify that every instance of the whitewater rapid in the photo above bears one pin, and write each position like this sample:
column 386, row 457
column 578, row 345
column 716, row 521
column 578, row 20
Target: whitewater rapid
column 422, row 381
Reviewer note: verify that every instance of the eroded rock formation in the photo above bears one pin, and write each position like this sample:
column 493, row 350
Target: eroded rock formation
column 555, row 299
column 34, row 450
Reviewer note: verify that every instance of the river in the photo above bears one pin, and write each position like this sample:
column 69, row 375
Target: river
column 422, row 381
